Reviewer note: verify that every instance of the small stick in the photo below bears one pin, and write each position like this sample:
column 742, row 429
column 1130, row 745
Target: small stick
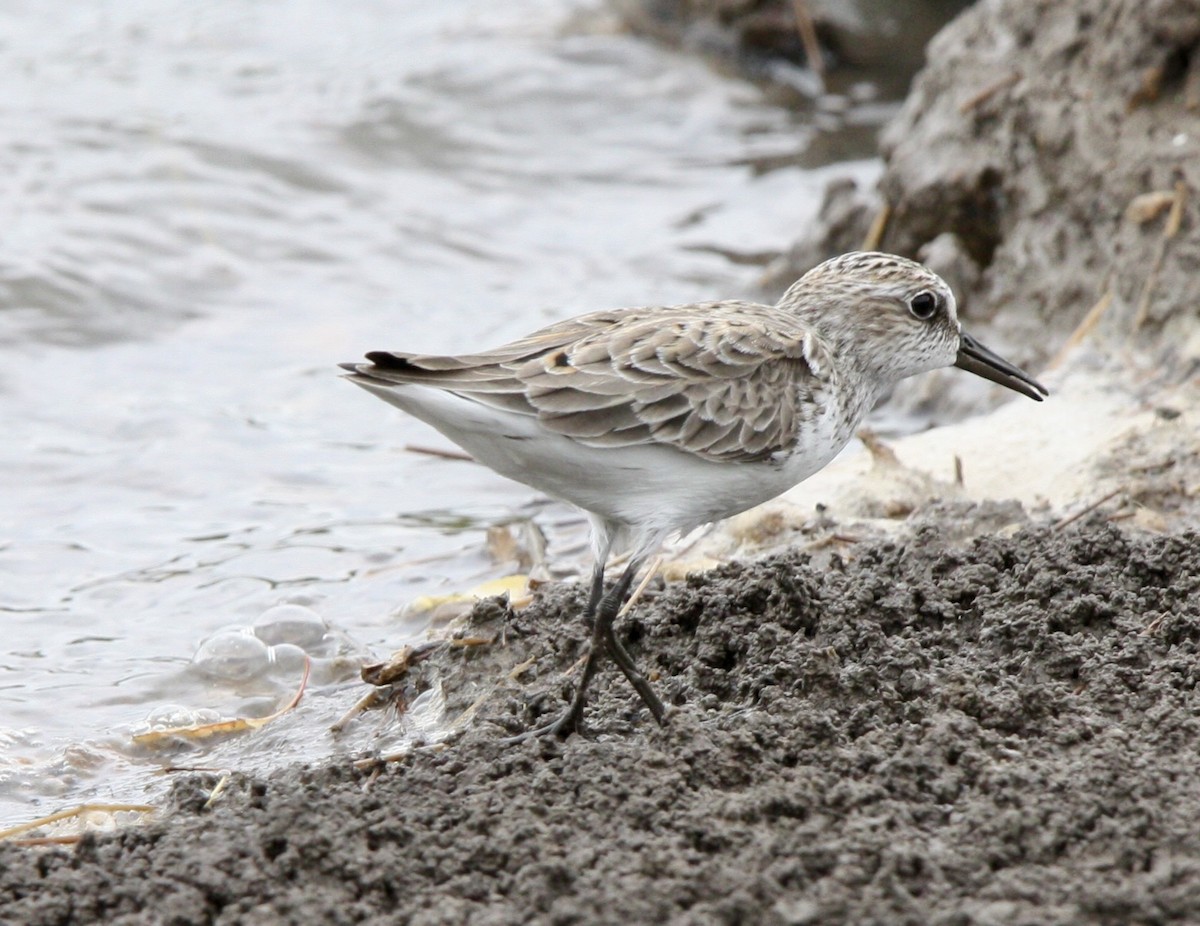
column 978, row 99
column 1175, row 218
column 637, row 592
column 878, row 226
column 440, row 453
column 808, row 38
column 521, row 667
column 74, row 812
column 1071, row 519
column 1191, row 87
column 35, row 841
column 1152, row 626
column 880, row 452
column 1084, row 328
column 365, row 703
column 217, row 791
column 829, row 540
column 1163, row 464
column 1170, row 230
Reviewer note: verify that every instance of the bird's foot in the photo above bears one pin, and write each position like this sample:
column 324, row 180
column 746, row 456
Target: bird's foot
column 568, row 722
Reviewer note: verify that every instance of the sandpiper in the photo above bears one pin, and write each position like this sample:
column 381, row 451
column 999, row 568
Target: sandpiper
column 660, row 419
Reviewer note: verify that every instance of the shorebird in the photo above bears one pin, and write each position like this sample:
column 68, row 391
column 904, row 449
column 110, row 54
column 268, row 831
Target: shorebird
column 657, row 420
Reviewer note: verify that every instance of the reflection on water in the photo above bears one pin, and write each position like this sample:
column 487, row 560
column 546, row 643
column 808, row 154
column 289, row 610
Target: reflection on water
column 212, row 204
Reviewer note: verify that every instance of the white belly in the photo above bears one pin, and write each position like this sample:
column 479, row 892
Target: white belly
column 651, row 490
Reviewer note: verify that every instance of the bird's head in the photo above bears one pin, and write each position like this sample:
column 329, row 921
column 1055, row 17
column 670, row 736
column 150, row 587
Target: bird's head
column 894, row 318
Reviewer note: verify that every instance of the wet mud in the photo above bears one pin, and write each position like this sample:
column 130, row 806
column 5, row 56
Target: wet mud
column 916, row 730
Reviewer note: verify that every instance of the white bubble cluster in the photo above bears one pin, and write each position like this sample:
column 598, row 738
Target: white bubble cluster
column 276, row 647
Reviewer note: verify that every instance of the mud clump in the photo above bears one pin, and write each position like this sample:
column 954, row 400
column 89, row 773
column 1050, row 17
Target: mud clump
column 920, row 732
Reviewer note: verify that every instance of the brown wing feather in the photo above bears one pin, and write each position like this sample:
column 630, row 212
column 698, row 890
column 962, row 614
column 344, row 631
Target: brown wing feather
column 722, row 381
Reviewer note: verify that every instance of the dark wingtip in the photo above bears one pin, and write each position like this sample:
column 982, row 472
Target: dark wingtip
column 388, row 361
column 378, row 360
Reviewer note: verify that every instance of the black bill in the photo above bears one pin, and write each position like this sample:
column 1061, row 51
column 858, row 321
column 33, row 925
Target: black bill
column 975, row 358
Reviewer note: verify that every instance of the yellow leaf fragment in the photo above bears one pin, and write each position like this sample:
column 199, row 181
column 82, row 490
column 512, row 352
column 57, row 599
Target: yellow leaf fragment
column 202, row 731
column 1149, row 206
column 515, row 586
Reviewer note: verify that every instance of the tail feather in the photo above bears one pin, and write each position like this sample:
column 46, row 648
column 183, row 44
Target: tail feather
column 427, row 364
column 488, row 386
column 386, row 360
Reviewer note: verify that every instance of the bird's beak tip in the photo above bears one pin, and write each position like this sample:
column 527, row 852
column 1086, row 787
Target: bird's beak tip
column 975, row 358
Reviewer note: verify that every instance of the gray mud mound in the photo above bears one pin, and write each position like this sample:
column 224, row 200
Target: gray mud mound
column 1001, row 732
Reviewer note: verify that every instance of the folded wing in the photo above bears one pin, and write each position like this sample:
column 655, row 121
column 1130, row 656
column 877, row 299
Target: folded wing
column 732, row 384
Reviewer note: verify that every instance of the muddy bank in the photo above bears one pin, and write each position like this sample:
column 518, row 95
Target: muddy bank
column 919, row 731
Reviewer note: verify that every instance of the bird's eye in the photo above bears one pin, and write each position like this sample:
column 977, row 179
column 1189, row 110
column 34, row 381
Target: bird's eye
column 923, row 305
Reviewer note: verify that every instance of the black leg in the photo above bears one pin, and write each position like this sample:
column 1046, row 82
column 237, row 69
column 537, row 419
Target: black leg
column 617, row 651
column 603, row 610
column 569, row 720
column 629, row 669
column 594, row 595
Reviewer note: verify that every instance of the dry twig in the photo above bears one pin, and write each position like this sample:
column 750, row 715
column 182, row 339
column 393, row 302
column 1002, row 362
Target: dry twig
column 1088, row 509
column 978, row 99
column 875, row 233
column 237, row 725
column 1170, row 230
column 1084, row 328
column 13, row 831
column 440, row 453
column 808, row 37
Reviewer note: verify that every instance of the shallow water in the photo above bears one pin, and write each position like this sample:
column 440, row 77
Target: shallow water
column 209, row 205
